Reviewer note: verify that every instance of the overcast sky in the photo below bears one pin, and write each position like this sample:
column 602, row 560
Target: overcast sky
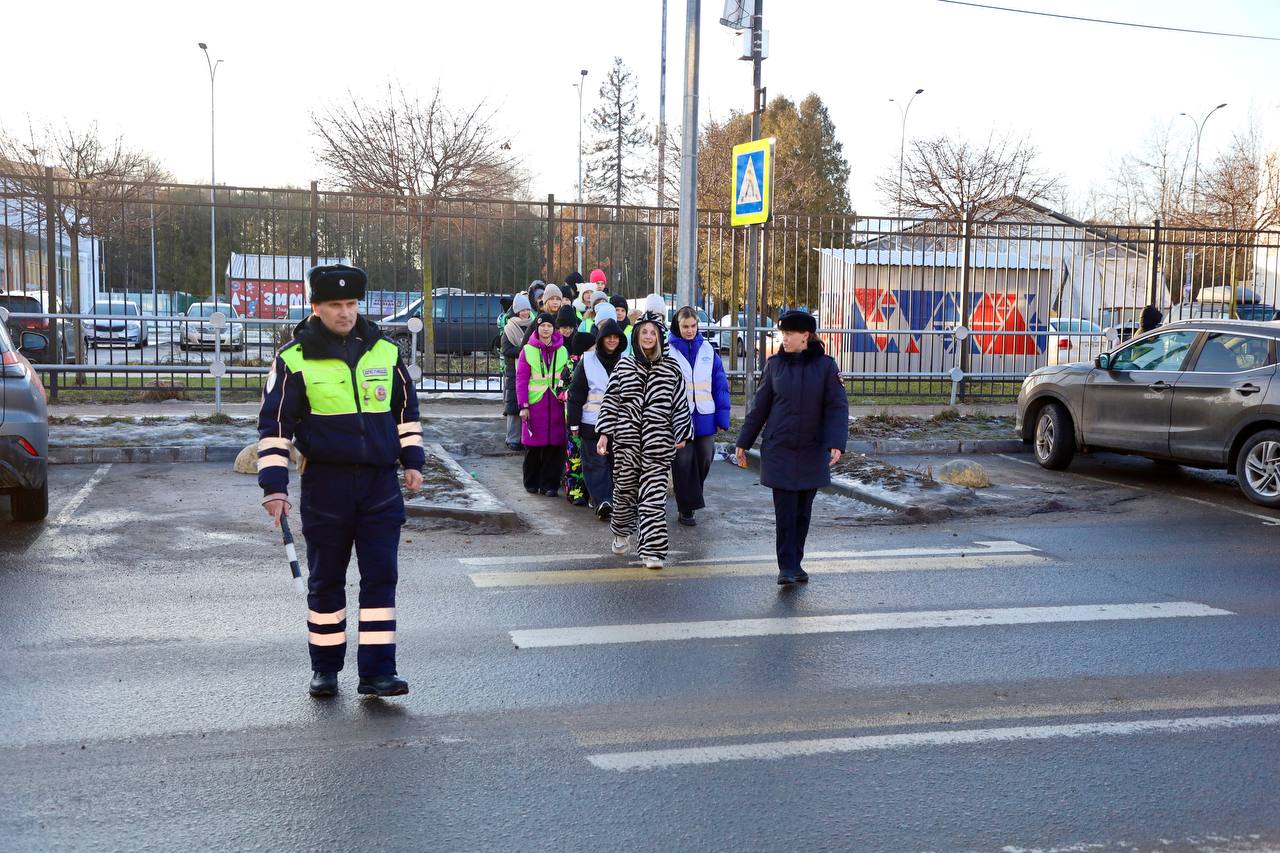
column 1084, row 93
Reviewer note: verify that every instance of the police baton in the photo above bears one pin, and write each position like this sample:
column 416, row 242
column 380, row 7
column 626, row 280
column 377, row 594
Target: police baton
column 291, row 553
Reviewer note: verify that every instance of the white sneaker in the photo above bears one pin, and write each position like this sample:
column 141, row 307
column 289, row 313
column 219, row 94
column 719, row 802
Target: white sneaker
column 620, row 544
column 652, row 563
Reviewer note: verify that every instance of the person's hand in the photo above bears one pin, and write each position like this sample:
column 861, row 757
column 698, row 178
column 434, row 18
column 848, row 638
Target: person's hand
column 680, row 445
column 740, row 456
column 524, row 414
column 602, row 446
column 413, row 479
column 277, row 508
column 835, row 456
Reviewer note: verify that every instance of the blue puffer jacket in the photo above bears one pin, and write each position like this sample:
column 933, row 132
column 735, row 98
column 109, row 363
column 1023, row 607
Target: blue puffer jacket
column 802, row 407
column 707, row 424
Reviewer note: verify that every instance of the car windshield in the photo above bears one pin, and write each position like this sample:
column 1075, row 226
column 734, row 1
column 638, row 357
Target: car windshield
column 207, row 309
column 118, row 309
column 1255, row 311
column 20, row 304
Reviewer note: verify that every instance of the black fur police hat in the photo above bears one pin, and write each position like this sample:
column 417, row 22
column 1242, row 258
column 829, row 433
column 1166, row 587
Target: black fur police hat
column 798, row 321
column 336, row 281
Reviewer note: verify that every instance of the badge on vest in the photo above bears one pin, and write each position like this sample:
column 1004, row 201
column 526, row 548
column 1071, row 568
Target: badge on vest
column 380, row 392
column 375, row 373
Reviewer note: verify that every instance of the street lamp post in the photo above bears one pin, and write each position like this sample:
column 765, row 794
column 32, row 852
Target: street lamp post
column 1195, row 191
column 902, row 142
column 213, row 210
column 581, row 84
column 1195, row 178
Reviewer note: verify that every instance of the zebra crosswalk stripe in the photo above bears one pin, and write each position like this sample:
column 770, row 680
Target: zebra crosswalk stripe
column 660, row 758
column 857, row 622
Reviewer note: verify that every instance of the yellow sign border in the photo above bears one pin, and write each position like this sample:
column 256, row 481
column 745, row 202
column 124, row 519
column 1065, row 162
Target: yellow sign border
column 766, row 183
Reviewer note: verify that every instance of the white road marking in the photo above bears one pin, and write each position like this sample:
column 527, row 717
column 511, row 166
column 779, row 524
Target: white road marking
column 856, row 622
column 611, row 574
column 771, row 751
column 1271, row 521
column 79, row 497
column 1019, row 461
column 979, row 548
column 1266, row 519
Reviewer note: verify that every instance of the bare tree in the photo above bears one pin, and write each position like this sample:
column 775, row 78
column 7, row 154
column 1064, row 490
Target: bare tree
column 1241, row 190
column 947, row 178
column 96, row 180
column 422, row 153
column 1151, row 183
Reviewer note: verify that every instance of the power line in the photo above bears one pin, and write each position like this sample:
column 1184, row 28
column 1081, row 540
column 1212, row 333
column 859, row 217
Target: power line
column 1113, row 23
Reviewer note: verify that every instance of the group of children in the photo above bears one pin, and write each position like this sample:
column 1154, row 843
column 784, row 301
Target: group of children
column 605, row 407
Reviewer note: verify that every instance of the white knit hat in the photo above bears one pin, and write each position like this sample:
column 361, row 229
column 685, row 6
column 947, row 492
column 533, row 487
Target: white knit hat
column 655, row 304
column 521, row 303
column 552, row 290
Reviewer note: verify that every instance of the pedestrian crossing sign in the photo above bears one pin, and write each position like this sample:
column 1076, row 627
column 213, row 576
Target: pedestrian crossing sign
column 752, row 187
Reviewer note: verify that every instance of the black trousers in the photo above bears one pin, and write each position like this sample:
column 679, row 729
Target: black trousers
column 791, row 513
column 344, row 506
column 543, row 466
column 689, row 471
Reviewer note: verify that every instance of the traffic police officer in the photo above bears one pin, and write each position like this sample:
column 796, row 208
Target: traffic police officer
column 339, row 393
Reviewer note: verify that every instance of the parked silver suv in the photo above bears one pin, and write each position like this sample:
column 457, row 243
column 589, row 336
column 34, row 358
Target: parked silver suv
column 1197, row 392
column 24, row 429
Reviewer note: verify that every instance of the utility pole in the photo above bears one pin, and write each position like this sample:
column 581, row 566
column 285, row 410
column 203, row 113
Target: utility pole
column 213, row 180
column 753, row 231
column 662, row 155
column 687, row 267
column 577, row 240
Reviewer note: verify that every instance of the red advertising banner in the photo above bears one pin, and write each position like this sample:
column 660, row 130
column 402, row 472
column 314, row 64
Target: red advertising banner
column 265, row 300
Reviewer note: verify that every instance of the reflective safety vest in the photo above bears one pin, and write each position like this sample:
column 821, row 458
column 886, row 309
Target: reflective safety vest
column 542, row 377
column 597, row 382
column 697, row 378
column 336, row 388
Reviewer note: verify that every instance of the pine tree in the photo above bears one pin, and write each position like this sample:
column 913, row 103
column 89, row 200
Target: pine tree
column 612, row 172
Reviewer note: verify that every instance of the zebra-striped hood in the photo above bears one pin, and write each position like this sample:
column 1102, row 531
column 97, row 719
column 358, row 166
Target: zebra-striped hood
column 656, row 320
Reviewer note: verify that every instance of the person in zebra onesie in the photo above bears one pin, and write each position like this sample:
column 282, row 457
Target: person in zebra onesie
column 643, row 421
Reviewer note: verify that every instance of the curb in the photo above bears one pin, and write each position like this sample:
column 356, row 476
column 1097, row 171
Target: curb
column 971, row 445
column 484, row 506
column 145, row 454
column 858, row 490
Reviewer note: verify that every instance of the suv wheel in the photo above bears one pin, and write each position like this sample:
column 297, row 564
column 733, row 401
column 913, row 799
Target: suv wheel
column 1258, row 468
column 30, row 504
column 404, row 343
column 1053, row 441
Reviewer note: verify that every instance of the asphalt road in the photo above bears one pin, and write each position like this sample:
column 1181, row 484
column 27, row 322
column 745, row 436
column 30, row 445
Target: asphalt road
column 1100, row 679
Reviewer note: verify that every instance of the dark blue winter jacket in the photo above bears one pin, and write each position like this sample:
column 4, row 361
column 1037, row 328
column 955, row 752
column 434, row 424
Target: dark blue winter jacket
column 803, row 409
column 707, row 424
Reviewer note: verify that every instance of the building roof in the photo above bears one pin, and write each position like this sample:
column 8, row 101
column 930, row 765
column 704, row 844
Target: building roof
column 978, row 259
column 274, row 267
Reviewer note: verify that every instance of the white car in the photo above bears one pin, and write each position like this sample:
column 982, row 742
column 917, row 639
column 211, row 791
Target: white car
column 198, row 332
column 118, row 324
column 726, row 334
column 1074, row 339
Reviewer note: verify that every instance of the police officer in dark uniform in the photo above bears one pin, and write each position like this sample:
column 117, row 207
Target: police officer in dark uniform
column 339, row 393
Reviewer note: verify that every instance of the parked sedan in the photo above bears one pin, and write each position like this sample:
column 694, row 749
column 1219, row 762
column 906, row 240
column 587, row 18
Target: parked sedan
column 24, row 429
column 198, row 331
column 118, row 323
column 1196, row 392
column 1073, row 339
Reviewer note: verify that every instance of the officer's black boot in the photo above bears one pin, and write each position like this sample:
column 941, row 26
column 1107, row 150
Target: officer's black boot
column 324, row 684
column 382, row 685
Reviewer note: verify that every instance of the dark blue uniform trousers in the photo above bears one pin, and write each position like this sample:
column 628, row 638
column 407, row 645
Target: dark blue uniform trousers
column 791, row 513
column 342, row 506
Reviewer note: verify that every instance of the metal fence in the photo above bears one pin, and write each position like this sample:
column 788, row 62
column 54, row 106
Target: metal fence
column 909, row 307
